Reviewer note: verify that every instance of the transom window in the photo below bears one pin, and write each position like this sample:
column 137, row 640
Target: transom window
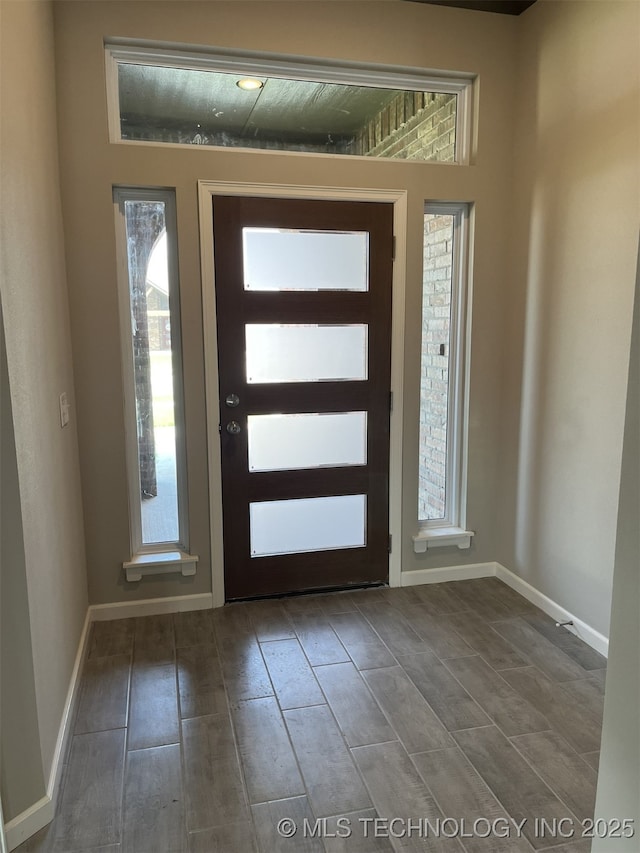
column 250, row 101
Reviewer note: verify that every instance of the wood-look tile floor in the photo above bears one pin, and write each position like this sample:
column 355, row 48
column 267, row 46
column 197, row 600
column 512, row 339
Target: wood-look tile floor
column 200, row 732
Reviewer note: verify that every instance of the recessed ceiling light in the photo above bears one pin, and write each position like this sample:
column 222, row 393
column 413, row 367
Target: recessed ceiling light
column 249, row 84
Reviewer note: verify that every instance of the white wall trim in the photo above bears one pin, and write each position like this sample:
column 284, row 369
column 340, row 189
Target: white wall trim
column 28, row 822
column 37, row 816
column 67, row 715
column 448, row 573
column 206, row 191
column 150, row 606
column 580, row 628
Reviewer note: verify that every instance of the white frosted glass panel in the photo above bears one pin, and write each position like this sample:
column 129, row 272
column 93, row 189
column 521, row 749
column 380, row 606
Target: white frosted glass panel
column 304, row 260
column 307, row 524
column 284, row 442
column 306, row 353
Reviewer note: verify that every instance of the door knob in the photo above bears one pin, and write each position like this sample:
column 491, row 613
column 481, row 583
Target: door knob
column 232, row 400
column 233, row 428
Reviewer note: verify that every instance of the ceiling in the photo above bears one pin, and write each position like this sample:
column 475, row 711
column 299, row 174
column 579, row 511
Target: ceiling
column 211, row 102
column 503, row 7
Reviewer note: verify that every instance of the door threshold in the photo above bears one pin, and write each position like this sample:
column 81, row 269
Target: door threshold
column 315, row 591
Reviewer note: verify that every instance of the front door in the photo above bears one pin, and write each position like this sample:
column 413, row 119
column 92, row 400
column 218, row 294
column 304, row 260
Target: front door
column 303, row 300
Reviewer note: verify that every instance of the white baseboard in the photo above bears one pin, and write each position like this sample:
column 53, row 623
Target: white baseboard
column 37, row 816
column 581, row 629
column 449, row 573
column 28, row 822
column 67, row 715
column 150, row 606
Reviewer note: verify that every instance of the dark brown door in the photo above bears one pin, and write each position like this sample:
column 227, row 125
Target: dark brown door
column 303, row 299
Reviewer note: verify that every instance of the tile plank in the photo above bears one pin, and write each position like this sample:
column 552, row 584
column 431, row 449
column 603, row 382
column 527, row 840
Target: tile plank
column 481, row 598
column 357, row 712
column 573, row 646
column 270, row 620
column 212, row 777
column 111, row 637
column 363, row 645
column 243, row 668
column 231, row 620
column 446, row 696
column 389, row 623
column 193, row 628
column 589, row 693
column 318, row 639
column 437, row 632
column 538, row 650
column 361, row 838
column 520, row 790
column 270, row 768
column 577, row 725
column 104, row 694
column 333, row 603
column 516, row 604
column 230, row 838
column 153, row 816
column 440, row 599
column 507, row 708
column 301, row 605
column 154, row 639
column 153, row 707
column 398, row 791
column 592, row 759
column 486, row 642
column 332, row 781
column 200, row 684
column 411, row 717
column 267, row 816
column 292, row 677
column 453, row 781
column 562, row 769
column 90, row 812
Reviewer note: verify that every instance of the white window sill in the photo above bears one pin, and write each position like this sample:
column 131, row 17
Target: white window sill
column 441, row 537
column 160, row 563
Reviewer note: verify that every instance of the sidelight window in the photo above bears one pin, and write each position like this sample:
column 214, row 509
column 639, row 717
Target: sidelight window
column 149, row 299
column 442, row 447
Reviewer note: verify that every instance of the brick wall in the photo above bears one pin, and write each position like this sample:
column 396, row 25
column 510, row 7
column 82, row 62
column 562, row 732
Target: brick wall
column 413, row 126
column 434, row 372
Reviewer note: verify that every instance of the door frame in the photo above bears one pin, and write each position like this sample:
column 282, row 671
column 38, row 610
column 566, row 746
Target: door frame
column 207, row 190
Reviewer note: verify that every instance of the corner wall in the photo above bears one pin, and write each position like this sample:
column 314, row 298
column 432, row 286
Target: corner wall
column 618, row 783
column 21, row 777
column 35, row 311
column 575, row 211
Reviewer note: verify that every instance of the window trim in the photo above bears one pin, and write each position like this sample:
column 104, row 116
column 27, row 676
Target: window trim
column 451, row 530
column 257, row 63
column 157, row 557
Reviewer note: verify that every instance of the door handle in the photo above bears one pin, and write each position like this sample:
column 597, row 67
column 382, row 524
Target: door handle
column 233, row 428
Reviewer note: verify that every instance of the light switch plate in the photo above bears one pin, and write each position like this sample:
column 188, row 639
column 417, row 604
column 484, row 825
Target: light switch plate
column 64, row 409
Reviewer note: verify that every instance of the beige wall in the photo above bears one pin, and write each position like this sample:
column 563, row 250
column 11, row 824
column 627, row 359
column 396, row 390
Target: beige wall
column 575, row 212
column 387, row 32
column 35, row 310
column 618, row 778
column 21, row 776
